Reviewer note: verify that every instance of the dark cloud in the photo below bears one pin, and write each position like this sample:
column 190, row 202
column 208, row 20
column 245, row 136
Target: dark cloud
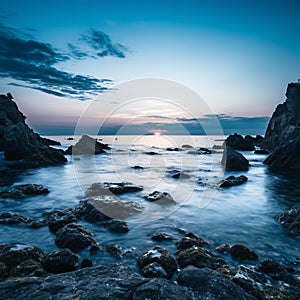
column 33, row 64
column 159, row 117
column 102, row 44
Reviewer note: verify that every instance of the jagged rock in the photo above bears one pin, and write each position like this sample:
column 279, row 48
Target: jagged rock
column 28, row 268
column 57, row 219
column 261, row 151
column 157, row 263
column 209, row 284
column 115, row 250
column 189, row 241
column 116, row 226
column 234, row 161
column 161, row 236
column 87, row 145
column 10, row 218
column 242, row 252
column 107, row 188
column 290, row 219
column 223, row 248
column 282, row 136
column 60, row 261
column 232, row 181
column 3, row 271
column 237, row 142
column 49, row 142
column 75, row 237
column 103, row 208
column 160, row 197
column 254, row 140
column 24, row 190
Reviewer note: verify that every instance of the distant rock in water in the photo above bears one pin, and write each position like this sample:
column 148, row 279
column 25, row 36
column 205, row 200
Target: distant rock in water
column 24, row 190
column 87, row 145
column 232, row 181
column 237, row 142
column 234, row 161
column 290, row 219
column 19, row 142
column 282, row 137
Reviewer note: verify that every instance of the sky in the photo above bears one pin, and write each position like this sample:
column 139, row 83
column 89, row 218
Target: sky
column 57, row 57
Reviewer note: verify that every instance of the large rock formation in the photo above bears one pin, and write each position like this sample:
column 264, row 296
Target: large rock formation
column 19, row 142
column 282, row 137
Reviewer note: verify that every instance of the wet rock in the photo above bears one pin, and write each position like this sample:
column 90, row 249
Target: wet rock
column 202, row 150
column 28, row 268
column 290, row 219
column 232, row 181
column 10, row 218
column 116, row 226
column 60, row 261
column 24, row 190
column 218, row 147
column 242, row 252
column 157, row 263
column 161, row 237
column 223, row 248
column 261, row 151
column 94, row 249
column 137, row 168
column 160, row 197
column 237, row 142
column 198, row 257
column 186, row 146
column 38, row 224
column 115, row 250
column 189, row 241
column 152, row 153
column 87, row 145
column 180, row 175
column 257, row 140
column 86, row 263
column 57, row 219
column 103, row 208
column 70, row 139
column 176, row 149
column 49, row 142
column 209, row 284
column 75, row 237
column 3, row 271
column 234, row 161
column 107, row 188
column 270, row 266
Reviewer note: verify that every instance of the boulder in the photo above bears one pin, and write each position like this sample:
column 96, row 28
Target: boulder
column 187, row 146
column 160, row 197
column 282, row 136
column 9, row 218
column 157, row 263
column 237, row 142
column 57, row 219
column 202, row 150
column 87, row 145
column 290, row 219
column 137, row 168
column 60, row 261
column 28, row 268
column 115, row 250
column 254, row 140
column 261, row 151
column 176, row 149
column 209, row 284
column 234, row 161
column 86, row 263
column 180, row 175
column 152, row 153
column 75, row 237
column 242, row 252
column 189, row 241
column 107, row 188
column 270, row 266
column 116, row 226
column 23, row 191
column 232, row 181
column 161, row 237
column 49, row 142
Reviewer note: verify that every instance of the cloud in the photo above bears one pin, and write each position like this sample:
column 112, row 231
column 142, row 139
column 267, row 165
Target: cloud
column 158, row 117
column 102, row 44
column 33, row 63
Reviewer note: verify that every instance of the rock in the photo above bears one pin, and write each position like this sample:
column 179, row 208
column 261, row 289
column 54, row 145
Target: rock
column 107, row 188
column 86, row 263
column 202, row 150
column 49, row 142
column 242, row 252
column 180, row 175
column 157, row 263
column 282, row 136
column 60, row 261
column 189, row 241
column 87, row 146
column 24, row 190
column 232, row 181
column 269, row 266
column 176, row 149
column 290, row 219
column 75, row 237
column 103, row 208
column 116, row 226
column 218, row 147
column 254, row 140
column 261, row 151
column 70, row 139
column 186, row 146
column 209, row 284
column 28, row 268
column 10, row 218
column 161, row 237
column 152, row 153
column 223, row 248
column 237, row 142
column 137, row 168
column 3, row 271
column 198, row 257
column 57, row 219
column 19, row 142
column 115, row 250
column 234, row 161
column 160, row 197
column 194, row 152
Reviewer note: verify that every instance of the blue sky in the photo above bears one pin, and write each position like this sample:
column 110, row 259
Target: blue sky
column 237, row 55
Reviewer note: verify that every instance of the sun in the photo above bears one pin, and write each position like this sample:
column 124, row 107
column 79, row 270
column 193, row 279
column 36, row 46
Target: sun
column 157, row 133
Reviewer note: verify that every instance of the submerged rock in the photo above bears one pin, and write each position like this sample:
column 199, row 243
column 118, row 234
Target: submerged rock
column 290, row 219
column 237, row 142
column 87, row 145
column 234, row 161
column 107, row 188
column 116, row 250
column 189, row 241
column 160, row 197
column 24, row 190
column 161, row 236
column 157, row 263
column 202, row 150
column 242, row 252
column 57, row 219
column 75, row 237
column 176, row 149
column 232, row 181
column 180, row 175
column 9, row 218
column 116, row 226
column 28, row 268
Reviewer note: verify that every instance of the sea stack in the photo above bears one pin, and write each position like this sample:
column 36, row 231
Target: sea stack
column 282, row 137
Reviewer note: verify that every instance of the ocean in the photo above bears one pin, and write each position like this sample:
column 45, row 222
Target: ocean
column 243, row 214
